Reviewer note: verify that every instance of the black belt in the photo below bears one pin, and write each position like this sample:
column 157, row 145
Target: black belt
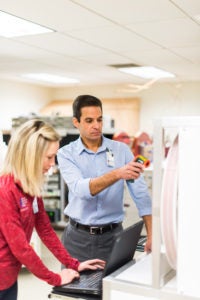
column 95, row 229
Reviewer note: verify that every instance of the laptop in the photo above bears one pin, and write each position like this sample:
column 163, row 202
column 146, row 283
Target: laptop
column 123, row 250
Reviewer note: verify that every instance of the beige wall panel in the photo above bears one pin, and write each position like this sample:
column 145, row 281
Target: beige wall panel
column 124, row 111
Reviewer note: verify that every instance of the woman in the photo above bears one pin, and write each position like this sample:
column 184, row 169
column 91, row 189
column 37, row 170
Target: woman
column 31, row 152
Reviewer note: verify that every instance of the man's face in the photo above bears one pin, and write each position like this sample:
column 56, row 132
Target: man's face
column 90, row 125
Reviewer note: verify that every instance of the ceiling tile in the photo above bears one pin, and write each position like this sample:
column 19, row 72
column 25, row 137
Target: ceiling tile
column 179, row 32
column 191, row 7
column 114, row 38
column 190, row 53
column 92, row 34
column 133, row 11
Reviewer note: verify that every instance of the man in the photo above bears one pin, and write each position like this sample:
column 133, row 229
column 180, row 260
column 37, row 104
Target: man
column 94, row 169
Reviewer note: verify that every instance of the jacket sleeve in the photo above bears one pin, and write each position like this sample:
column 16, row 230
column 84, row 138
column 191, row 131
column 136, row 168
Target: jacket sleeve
column 16, row 239
column 51, row 240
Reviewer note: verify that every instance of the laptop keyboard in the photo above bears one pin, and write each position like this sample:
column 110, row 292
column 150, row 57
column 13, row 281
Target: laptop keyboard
column 89, row 280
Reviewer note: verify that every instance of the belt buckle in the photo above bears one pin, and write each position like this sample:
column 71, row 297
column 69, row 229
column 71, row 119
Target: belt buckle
column 92, row 230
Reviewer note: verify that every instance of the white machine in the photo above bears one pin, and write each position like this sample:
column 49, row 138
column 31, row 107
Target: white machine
column 171, row 270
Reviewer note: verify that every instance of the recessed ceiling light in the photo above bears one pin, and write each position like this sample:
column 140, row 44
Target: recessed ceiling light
column 12, row 26
column 147, row 72
column 44, row 77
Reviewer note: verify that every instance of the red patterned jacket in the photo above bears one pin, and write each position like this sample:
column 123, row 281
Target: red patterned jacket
column 17, row 220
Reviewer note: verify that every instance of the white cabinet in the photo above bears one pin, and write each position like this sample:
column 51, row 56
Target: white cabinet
column 153, row 276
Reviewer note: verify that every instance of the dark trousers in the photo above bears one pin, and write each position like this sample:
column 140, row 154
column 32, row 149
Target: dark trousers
column 83, row 245
column 10, row 293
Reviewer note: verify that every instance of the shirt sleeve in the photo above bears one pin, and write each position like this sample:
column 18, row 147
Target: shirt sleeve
column 72, row 175
column 140, row 194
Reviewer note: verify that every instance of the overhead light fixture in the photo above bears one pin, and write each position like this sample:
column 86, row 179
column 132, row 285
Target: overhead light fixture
column 49, row 78
column 12, row 26
column 146, row 72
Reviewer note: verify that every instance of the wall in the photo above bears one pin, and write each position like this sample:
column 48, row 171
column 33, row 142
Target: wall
column 164, row 100
column 19, row 99
column 160, row 100
column 125, row 112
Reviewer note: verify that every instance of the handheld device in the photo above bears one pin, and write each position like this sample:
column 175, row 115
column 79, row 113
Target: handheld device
column 142, row 160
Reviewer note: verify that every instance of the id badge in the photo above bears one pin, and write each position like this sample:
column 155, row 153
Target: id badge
column 35, row 206
column 110, row 158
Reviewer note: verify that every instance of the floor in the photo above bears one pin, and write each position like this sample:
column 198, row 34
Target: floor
column 31, row 288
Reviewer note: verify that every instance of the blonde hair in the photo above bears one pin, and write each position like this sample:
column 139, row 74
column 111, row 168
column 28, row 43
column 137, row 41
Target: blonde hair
column 26, row 150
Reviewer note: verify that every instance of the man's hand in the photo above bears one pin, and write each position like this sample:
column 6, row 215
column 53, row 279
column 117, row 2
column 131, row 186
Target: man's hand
column 132, row 170
column 148, row 245
column 148, row 224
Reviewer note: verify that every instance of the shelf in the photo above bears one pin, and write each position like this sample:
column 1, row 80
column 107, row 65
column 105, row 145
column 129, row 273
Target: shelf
column 52, row 196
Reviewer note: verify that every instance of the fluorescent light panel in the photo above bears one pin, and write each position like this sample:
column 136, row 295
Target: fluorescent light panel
column 147, row 72
column 12, row 26
column 44, row 77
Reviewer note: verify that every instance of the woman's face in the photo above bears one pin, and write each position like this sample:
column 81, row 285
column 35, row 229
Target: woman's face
column 49, row 156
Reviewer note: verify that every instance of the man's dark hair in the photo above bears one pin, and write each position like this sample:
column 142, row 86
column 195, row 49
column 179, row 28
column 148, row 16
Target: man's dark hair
column 84, row 101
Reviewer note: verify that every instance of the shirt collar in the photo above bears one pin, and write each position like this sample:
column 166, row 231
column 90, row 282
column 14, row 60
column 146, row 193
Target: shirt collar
column 81, row 147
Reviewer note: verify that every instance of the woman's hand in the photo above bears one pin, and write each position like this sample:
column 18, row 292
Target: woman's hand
column 92, row 264
column 67, row 275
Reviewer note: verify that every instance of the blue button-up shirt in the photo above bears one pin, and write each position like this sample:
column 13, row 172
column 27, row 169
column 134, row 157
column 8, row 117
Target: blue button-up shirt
column 78, row 165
